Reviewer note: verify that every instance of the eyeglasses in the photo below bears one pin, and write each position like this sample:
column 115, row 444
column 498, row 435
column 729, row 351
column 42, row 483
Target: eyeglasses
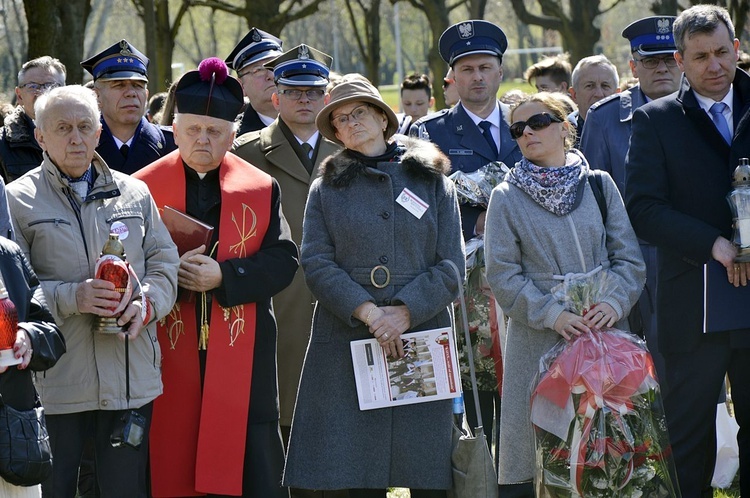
column 315, row 94
column 40, row 87
column 653, row 62
column 536, row 122
column 357, row 114
column 256, row 72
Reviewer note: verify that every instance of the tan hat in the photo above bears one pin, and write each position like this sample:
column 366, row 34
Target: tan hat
column 353, row 89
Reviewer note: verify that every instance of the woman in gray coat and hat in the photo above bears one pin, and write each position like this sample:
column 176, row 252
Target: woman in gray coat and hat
column 377, row 270
column 544, row 222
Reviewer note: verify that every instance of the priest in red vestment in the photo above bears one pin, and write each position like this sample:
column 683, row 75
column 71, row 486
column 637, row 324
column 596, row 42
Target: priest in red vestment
column 215, row 430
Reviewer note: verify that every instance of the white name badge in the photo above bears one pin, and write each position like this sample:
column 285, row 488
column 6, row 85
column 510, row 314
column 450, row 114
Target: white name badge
column 412, row 203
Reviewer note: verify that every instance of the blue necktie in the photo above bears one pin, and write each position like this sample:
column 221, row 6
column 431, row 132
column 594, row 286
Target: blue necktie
column 717, row 116
column 486, row 127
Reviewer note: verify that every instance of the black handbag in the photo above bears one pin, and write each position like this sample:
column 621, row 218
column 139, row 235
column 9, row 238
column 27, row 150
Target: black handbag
column 25, row 454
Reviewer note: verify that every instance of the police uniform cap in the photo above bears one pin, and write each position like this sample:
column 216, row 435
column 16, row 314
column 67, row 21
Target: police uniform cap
column 301, row 66
column 255, row 46
column 121, row 61
column 651, row 35
column 209, row 91
column 470, row 38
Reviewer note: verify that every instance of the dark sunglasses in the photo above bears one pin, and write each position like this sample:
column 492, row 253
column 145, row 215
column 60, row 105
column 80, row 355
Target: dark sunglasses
column 536, row 122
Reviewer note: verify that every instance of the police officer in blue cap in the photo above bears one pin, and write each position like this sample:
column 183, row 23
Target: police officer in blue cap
column 604, row 141
column 128, row 141
column 606, row 136
column 248, row 59
column 475, row 131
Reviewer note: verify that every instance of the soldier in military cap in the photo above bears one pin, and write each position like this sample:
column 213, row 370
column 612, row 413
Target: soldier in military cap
column 475, row 131
column 248, row 59
column 606, row 132
column 291, row 149
column 128, row 141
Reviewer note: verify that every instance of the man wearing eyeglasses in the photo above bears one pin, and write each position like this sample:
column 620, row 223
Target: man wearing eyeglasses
column 248, row 59
column 19, row 150
column 291, row 149
column 606, row 133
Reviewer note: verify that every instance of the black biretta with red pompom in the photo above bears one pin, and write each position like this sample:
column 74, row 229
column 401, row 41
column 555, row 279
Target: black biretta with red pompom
column 209, row 91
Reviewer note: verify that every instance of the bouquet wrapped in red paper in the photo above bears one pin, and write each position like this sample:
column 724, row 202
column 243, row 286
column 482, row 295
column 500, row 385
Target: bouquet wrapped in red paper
column 597, row 413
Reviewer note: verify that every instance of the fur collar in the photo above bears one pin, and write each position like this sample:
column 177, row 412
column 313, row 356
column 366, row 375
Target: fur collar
column 419, row 158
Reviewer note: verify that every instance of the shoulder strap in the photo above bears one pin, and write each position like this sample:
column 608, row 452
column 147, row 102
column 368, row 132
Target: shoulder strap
column 597, row 187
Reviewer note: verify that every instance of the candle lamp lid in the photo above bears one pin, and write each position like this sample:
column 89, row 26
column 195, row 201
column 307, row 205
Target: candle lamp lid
column 741, row 176
column 114, row 246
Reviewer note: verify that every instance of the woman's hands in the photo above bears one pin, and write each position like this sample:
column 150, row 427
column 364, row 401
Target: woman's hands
column 600, row 316
column 571, row 325
column 21, row 349
column 388, row 327
column 386, row 324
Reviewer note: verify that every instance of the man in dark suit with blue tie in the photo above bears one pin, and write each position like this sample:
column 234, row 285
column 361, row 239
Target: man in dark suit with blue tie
column 683, row 150
column 475, row 131
column 128, row 141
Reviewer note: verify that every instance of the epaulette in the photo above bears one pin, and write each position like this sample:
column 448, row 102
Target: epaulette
column 605, row 100
column 245, row 138
column 431, row 116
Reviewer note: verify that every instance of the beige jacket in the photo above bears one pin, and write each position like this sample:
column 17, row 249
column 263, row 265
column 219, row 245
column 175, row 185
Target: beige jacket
column 63, row 245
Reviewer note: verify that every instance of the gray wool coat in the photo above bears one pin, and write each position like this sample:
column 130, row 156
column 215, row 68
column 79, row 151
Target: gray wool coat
column 525, row 246
column 352, row 224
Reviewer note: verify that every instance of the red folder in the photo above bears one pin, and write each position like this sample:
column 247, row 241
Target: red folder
column 187, row 233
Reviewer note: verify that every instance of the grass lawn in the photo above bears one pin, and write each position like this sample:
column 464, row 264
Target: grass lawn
column 390, row 93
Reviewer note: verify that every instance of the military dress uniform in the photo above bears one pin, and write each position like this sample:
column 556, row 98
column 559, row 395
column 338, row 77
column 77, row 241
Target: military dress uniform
column 255, row 46
column 453, row 130
column 278, row 152
column 122, row 61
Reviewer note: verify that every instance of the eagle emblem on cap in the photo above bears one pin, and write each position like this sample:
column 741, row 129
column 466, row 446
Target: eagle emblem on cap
column 662, row 26
column 124, row 48
column 256, row 37
column 303, row 53
column 466, row 30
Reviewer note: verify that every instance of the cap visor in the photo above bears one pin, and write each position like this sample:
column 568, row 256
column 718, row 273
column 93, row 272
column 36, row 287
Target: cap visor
column 123, row 75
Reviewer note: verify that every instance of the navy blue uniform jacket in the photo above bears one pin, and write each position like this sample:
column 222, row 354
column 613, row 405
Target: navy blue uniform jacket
column 150, row 143
column 453, row 131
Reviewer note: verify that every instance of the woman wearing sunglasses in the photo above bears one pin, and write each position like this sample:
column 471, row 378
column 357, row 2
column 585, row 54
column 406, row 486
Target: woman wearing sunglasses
column 544, row 222
column 375, row 263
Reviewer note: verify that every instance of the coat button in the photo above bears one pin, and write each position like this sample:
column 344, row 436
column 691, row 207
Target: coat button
column 387, row 302
column 105, row 402
column 384, row 259
column 381, row 179
column 385, row 215
column 241, row 270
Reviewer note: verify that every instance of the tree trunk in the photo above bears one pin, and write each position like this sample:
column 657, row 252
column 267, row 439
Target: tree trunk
column 57, row 28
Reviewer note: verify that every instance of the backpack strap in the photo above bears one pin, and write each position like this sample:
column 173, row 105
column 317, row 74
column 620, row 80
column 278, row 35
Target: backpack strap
column 597, row 187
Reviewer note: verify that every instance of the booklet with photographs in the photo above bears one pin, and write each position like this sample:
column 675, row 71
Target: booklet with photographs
column 428, row 371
